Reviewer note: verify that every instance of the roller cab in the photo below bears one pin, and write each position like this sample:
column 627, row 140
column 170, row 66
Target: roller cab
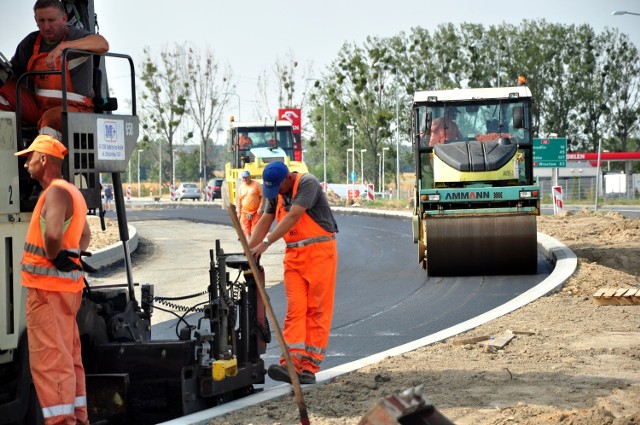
column 476, row 199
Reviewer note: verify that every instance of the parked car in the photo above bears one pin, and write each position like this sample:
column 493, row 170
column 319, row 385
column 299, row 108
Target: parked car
column 216, row 188
column 187, row 191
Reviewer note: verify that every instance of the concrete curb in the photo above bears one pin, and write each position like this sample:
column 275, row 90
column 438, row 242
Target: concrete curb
column 565, row 263
column 113, row 253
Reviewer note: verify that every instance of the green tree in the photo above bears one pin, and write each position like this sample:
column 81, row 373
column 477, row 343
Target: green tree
column 210, row 93
column 586, row 84
column 163, row 106
column 284, row 78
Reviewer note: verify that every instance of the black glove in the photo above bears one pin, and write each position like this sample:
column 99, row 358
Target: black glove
column 63, row 261
column 86, row 267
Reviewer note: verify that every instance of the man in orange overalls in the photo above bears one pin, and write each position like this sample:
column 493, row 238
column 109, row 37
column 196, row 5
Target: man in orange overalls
column 42, row 51
column 249, row 202
column 52, row 272
column 307, row 225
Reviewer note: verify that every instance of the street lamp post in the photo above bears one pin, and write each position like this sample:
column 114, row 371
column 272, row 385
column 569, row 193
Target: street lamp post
column 160, row 170
column 200, row 166
column 173, row 170
column 383, row 150
column 348, row 150
column 139, row 150
column 379, row 173
column 324, row 142
column 362, row 151
column 353, row 150
column 397, row 145
column 397, row 139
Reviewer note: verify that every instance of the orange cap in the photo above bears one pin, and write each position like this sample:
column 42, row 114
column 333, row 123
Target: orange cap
column 47, row 145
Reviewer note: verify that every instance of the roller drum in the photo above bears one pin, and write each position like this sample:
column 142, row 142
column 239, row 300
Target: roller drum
column 481, row 245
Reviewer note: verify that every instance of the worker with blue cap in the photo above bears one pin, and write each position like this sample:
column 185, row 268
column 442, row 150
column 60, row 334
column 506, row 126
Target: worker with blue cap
column 307, row 225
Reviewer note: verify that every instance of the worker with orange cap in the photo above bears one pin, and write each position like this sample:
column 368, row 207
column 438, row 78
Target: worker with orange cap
column 307, row 225
column 52, row 271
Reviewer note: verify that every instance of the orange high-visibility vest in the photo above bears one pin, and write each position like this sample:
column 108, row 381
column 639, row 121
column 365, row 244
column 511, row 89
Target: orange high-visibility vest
column 305, row 229
column 37, row 270
column 48, row 88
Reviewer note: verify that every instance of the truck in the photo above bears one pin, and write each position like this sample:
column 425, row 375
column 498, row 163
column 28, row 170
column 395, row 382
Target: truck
column 476, row 199
column 131, row 377
column 254, row 144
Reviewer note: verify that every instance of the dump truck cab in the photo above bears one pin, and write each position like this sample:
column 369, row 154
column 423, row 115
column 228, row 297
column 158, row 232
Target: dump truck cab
column 254, row 144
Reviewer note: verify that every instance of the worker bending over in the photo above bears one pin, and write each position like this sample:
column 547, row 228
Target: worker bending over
column 307, row 225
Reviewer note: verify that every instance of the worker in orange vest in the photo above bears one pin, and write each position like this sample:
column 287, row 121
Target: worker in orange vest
column 52, row 271
column 307, row 225
column 249, row 202
column 445, row 128
column 42, row 51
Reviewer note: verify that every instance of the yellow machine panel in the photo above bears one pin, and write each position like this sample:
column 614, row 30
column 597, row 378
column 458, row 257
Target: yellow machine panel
column 443, row 173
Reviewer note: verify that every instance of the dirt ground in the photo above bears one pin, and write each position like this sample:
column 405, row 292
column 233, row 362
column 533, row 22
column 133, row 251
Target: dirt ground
column 579, row 364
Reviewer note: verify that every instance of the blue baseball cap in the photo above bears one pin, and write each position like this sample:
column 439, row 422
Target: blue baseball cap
column 245, row 173
column 272, row 177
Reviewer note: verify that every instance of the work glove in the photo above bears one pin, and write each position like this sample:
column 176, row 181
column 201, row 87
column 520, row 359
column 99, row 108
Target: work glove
column 63, row 261
column 86, row 267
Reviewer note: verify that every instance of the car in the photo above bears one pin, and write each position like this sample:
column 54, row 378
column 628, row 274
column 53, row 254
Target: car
column 187, row 191
column 216, row 188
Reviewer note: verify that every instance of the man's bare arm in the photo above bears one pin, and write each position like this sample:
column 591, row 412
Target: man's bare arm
column 92, row 43
column 54, row 213
column 85, row 238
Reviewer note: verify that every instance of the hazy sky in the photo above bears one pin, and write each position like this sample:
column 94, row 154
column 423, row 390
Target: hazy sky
column 249, row 35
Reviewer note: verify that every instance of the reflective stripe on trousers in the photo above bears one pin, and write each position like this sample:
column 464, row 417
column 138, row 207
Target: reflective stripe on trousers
column 309, row 281
column 55, row 355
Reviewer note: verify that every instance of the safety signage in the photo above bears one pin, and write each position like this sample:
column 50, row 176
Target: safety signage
column 558, row 205
column 550, row 153
column 353, row 175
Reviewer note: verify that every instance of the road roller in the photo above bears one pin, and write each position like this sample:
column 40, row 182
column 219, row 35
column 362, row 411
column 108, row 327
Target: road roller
column 476, row 199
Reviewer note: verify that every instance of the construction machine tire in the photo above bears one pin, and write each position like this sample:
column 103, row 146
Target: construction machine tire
column 482, row 245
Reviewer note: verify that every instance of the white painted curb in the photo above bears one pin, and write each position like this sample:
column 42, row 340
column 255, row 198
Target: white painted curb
column 113, row 253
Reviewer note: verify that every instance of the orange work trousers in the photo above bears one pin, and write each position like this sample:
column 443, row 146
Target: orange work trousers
column 55, row 356
column 248, row 224
column 309, row 283
column 32, row 112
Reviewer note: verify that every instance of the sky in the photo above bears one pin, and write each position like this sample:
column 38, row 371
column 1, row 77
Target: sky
column 250, row 35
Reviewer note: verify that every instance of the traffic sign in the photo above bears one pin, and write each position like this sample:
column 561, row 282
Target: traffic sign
column 550, row 153
column 353, row 175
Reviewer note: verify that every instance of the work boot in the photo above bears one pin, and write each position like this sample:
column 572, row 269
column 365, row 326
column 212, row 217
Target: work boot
column 279, row 372
column 307, row 377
